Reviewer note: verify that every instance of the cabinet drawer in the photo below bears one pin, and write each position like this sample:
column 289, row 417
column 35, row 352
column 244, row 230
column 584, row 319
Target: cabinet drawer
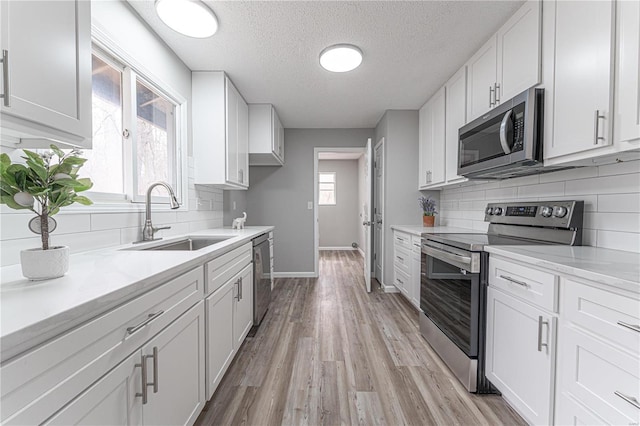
column 593, row 372
column 400, row 239
column 416, row 244
column 221, row 269
column 402, row 259
column 38, row 383
column 530, row 284
column 609, row 315
column 401, row 280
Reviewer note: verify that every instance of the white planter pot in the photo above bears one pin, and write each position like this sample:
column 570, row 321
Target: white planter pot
column 38, row 264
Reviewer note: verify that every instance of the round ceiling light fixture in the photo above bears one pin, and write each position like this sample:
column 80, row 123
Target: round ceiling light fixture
column 189, row 17
column 341, row 58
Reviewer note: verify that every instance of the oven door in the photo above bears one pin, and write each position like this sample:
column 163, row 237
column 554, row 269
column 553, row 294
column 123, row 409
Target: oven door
column 450, row 298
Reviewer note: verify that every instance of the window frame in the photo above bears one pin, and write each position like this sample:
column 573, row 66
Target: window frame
column 335, row 188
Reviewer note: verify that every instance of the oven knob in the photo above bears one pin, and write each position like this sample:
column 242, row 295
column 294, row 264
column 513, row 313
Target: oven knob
column 560, row 211
column 497, row 211
column 489, row 210
column 546, row 211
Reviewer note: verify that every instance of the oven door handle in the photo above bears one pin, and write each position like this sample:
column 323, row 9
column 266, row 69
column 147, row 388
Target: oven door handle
column 503, row 133
column 456, row 259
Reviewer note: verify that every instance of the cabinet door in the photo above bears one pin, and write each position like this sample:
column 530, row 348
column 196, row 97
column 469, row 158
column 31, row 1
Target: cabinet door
column 424, row 148
column 627, row 93
column 243, row 308
column 581, row 90
column 518, row 48
column 481, row 80
column 220, row 346
column 455, row 117
column 232, row 97
column 438, row 137
column 516, row 362
column 177, row 368
column 243, row 142
column 414, row 292
column 113, row 400
column 49, row 64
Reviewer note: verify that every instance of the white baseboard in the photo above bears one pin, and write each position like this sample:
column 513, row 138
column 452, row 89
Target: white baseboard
column 390, row 289
column 336, row 248
column 361, row 252
column 295, row 275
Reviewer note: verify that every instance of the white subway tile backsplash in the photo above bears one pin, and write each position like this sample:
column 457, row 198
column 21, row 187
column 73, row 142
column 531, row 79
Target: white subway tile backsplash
column 101, row 221
column 611, row 194
column 15, row 225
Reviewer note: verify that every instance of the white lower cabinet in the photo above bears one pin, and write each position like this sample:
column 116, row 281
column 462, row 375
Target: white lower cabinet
column 243, row 307
column 406, row 266
column 520, row 355
column 172, row 394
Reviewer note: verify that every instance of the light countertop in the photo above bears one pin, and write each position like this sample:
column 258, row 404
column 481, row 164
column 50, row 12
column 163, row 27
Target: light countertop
column 616, row 268
column 420, row 230
column 32, row 312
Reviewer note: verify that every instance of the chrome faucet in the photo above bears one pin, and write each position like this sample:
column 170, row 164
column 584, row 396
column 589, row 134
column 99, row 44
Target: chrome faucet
column 149, row 230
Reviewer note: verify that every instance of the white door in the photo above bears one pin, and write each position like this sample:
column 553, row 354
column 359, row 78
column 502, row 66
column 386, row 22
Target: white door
column 220, row 342
column 112, row 400
column 482, row 78
column 583, row 64
column 243, row 312
column 175, row 364
column 367, row 216
column 378, row 209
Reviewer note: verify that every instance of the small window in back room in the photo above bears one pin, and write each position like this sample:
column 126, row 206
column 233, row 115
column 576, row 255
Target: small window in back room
column 327, row 188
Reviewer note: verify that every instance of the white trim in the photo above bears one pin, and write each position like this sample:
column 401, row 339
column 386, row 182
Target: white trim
column 337, row 248
column 390, row 289
column 361, row 252
column 316, row 231
column 384, row 171
column 295, row 275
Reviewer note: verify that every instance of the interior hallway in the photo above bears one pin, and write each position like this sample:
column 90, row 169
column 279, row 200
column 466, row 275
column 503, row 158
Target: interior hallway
column 329, row 353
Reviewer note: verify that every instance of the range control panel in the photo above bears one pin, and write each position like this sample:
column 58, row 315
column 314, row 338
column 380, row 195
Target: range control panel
column 557, row 214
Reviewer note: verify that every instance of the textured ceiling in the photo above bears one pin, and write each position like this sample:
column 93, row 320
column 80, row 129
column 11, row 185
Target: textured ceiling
column 270, row 51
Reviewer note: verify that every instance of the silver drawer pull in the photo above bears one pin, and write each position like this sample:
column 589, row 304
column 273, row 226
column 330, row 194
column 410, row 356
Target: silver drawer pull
column 155, row 369
column 629, row 326
column 631, row 400
column 540, row 324
column 596, row 126
column 400, row 258
column 513, row 280
column 6, row 96
column 400, row 281
column 150, row 318
column 143, row 367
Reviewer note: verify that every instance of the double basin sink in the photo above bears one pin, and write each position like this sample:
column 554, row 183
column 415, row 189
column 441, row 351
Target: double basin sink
column 189, row 243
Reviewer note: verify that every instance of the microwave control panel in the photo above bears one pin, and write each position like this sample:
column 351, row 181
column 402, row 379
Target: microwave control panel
column 518, row 129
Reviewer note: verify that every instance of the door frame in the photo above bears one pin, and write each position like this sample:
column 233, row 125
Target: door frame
column 316, row 230
column 382, row 199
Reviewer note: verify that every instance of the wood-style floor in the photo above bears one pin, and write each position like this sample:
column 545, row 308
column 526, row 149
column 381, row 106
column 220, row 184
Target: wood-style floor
column 329, row 353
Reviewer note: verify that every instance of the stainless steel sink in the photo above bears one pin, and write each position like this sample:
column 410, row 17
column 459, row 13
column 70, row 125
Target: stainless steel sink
column 185, row 244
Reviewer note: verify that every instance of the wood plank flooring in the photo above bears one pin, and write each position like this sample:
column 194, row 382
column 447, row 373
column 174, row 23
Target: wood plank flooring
column 329, row 353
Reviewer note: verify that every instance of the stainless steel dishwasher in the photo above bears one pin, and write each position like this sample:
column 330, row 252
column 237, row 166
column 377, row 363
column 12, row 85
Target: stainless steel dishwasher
column 261, row 278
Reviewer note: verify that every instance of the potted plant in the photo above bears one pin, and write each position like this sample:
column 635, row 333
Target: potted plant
column 43, row 186
column 428, row 206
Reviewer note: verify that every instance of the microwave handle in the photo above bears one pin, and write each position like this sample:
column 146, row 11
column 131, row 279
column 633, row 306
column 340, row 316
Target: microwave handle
column 503, row 132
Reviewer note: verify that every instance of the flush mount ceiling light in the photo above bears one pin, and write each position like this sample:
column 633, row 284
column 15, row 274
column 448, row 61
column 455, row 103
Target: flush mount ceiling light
column 189, row 17
column 341, row 58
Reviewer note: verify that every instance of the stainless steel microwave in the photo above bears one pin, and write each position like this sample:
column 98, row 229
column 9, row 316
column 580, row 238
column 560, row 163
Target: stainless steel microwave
column 506, row 142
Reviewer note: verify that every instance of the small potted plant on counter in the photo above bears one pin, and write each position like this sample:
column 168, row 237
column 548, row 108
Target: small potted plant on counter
column 43, row 186
column 428, row 206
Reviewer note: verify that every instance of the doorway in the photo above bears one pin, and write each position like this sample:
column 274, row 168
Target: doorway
column 339, row 189
column 378, row 211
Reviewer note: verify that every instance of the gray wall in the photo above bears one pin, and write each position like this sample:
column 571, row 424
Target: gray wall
column 240, row 200
column 338, row 224
column 278, row 196
column 400, row 130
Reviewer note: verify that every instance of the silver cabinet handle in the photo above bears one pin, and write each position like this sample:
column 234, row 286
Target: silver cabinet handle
column 631, row 400
column 155, row 369
column 513, row 280
column 596, row 127
column 491, row 91
column 503, row 132
column 400, row 258
column 241, row 175
column 630, row 326
column 236, row 285
column 400, row 281
column 144, row 394
column 495, row 94
column 540, row 324
column 6, row 96
column 240, row 287
column 150, row 318
column 365, row 223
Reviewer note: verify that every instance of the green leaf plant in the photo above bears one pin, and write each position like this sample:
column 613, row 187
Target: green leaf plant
column 43, row 185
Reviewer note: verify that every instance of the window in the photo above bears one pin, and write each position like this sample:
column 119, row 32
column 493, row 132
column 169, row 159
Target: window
column 327, row 188
column 135, row 134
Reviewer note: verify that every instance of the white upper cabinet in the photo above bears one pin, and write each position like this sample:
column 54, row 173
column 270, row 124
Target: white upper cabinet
column 627, row 90
column 432, row 141
column 266, row 136
column 579, row 103
column 46, row 71
column 509, row 63
column 220, row 132
column 455, row 117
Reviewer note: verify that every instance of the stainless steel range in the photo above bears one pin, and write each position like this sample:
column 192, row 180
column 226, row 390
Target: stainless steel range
column 453, row 281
